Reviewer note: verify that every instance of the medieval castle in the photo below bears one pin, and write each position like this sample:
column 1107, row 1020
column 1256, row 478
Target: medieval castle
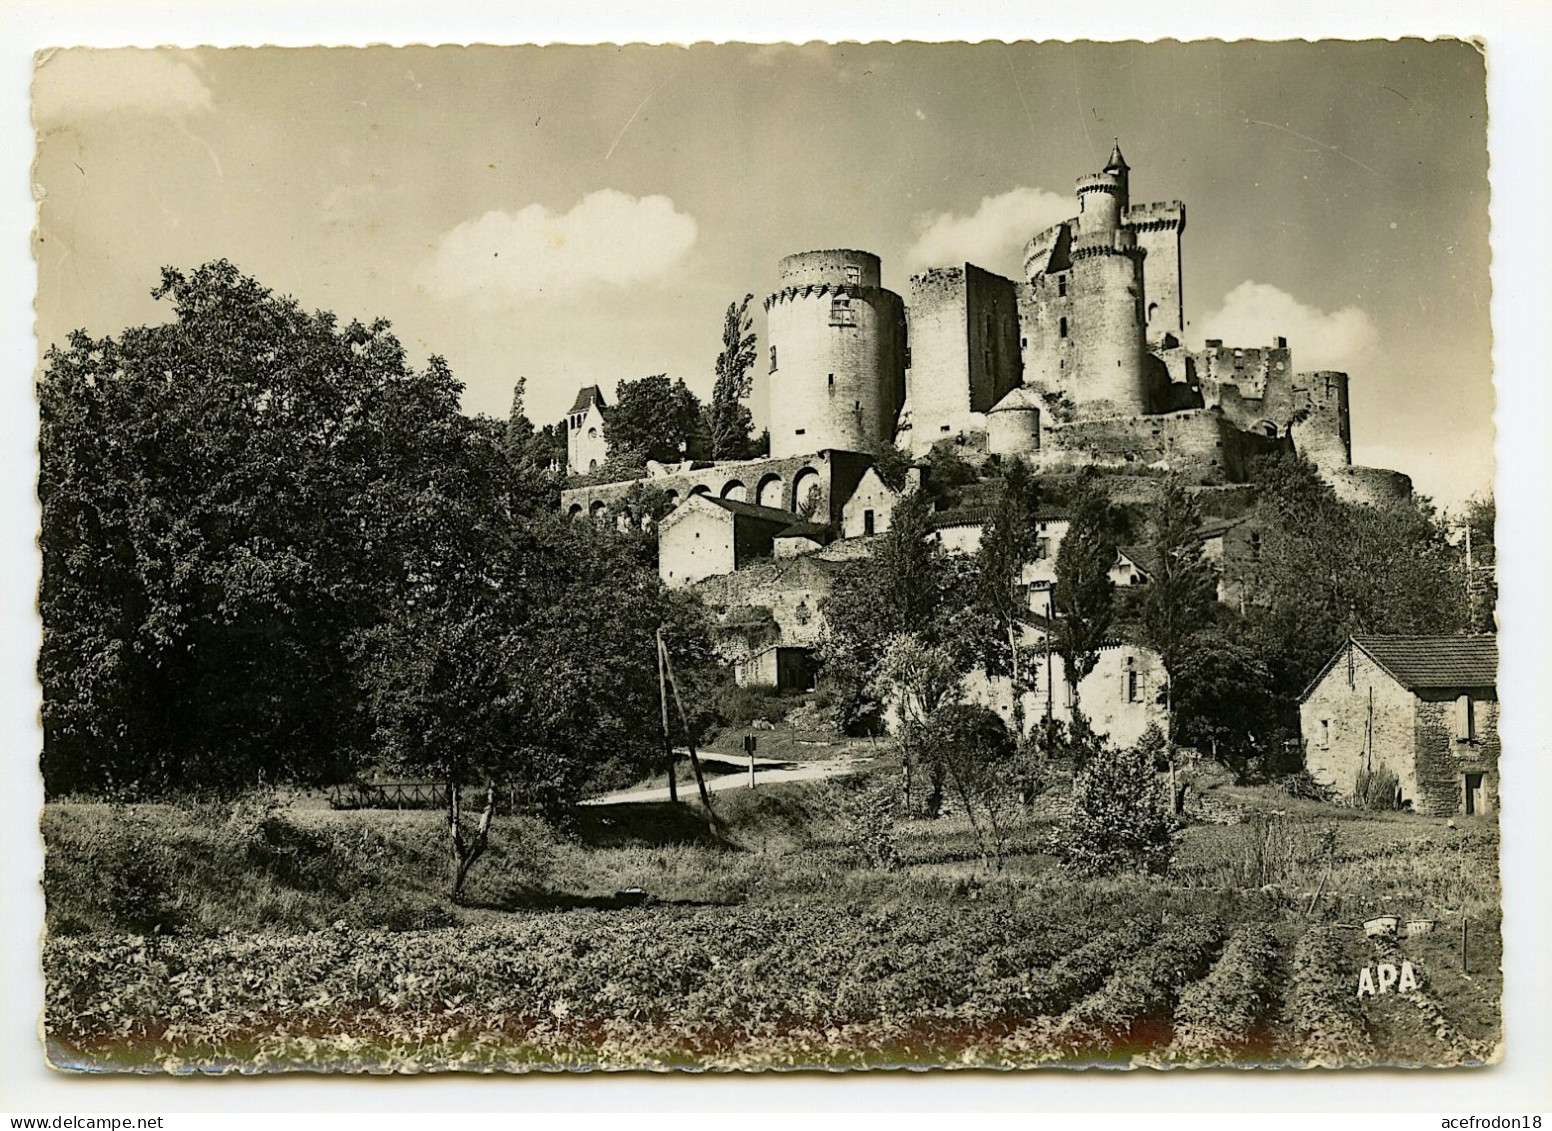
column 1080, row 362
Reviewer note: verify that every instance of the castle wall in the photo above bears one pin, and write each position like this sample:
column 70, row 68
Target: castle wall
column 1197, row 442
column 837, row 343
column 1105, row 371
column 1370, row 486
column 699, row 543
column 1013, row 431
column 996, row 365
column 1261, row 375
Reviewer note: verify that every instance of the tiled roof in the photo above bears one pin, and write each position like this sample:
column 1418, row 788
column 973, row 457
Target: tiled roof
column 814, row 530
column 587, row 396
column 750, row 510
column 1435, row 661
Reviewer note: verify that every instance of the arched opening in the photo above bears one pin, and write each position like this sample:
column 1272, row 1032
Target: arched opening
column 806, row 487
column 592, row 466
column 1153, row 309
column 576, row 509
column 700, row 489
column 597, row 508
column 672, row 497
column 1268, row 429
column 734, row 489
column 770, row 491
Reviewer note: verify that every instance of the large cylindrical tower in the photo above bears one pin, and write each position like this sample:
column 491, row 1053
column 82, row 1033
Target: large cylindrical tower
column 837, row 354
column 1108, row 376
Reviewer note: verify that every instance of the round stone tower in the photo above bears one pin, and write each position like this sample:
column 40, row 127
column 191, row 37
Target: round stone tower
column 837, row 354
column 1109, row 374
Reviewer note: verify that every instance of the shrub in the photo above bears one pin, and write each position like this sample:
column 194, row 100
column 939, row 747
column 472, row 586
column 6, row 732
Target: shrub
column 1303, row 786
column 867, row 811
column 1120, row 819
column 1377, row 789
column 110, row 874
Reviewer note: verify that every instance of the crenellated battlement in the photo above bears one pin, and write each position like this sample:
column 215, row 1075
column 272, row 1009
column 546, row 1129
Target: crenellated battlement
column 1099, row 182
column 820, row 290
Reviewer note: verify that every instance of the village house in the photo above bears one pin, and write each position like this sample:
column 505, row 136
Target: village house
column 708, row 537
column 1423, row 707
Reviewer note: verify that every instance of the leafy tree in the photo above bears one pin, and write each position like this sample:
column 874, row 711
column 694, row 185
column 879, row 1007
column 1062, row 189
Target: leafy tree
column 920, row 679
column 1480, row 523
column 1182, row 589
column 947, row 471
column 978, row 755
column 1328, row 569
column 1119, row 819
column 537, row 676
column 227, row 499
column 1008, row 544
column 728, row 420
column 653, row 419
column 1085, row 595
column 1225, row 701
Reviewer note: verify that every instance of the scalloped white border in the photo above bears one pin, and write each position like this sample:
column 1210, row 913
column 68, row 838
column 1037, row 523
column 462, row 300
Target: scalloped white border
column 1518, row 34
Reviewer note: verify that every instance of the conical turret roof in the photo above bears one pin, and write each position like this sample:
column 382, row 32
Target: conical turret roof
column 1117, row 163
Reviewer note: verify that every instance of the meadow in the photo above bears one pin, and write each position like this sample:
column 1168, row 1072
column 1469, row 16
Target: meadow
column 272, row 934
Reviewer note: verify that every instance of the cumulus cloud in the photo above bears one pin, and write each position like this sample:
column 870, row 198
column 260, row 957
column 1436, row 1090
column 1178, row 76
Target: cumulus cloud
column 81, row 82
column 608, row 237
column 994, row 236
column 1254, row 313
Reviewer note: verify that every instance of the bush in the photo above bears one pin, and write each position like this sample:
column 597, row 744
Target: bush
column 1223, row 1016
column 735, row 706
column 1303, row 786
column 1120, row 819
column 112, row 874
column 867, row 811
column 1377, row 789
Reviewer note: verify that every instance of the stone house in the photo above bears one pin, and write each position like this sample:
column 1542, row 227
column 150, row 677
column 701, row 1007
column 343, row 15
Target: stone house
column 705, row 537
column 1424, row 707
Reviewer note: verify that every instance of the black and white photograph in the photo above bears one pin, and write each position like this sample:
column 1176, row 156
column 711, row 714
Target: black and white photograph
column 768, row 556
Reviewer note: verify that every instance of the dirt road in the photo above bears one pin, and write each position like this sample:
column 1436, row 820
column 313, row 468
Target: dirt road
column 767, row 771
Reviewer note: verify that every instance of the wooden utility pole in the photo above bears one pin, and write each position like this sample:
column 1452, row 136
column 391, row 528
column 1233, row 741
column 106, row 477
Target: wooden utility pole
column 684, row 720
column 668, row 745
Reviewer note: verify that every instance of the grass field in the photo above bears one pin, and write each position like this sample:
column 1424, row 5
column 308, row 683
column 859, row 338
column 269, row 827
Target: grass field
column 206, row 937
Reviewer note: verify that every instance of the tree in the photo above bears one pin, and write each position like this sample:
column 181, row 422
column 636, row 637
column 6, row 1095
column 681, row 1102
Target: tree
column 1008, row 543
column 1178, row 600
column 895, row 589
column 1328, row 569
column 977, row 754
column 1477, row 536
column 535, row 677
column 728, row 420
column 1119, row 820
column 1225, row 702
column 920, row 679
column 653, row 419
column 228, row 498
column 1085, row 595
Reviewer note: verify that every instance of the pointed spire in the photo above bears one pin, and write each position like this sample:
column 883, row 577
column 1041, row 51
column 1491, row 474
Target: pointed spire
column 1117, row 163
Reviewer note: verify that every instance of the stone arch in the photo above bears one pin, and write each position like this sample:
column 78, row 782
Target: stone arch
column 1267, row 428
column 770, row 491
column 576, row 509
column 700, row 489
column 804, row 483
column 672, row 497
column 597, row 508
column 734, row 489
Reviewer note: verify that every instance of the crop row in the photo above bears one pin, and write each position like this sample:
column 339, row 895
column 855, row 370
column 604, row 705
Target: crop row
column 1322, row 1009
column 644, row 987
column 1222, row 1017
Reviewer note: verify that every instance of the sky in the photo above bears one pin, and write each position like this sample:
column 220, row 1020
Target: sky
column 582, row 215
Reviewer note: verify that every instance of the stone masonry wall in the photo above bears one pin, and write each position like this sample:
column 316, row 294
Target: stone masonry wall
column 1443, row 757
column 1334, row 754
